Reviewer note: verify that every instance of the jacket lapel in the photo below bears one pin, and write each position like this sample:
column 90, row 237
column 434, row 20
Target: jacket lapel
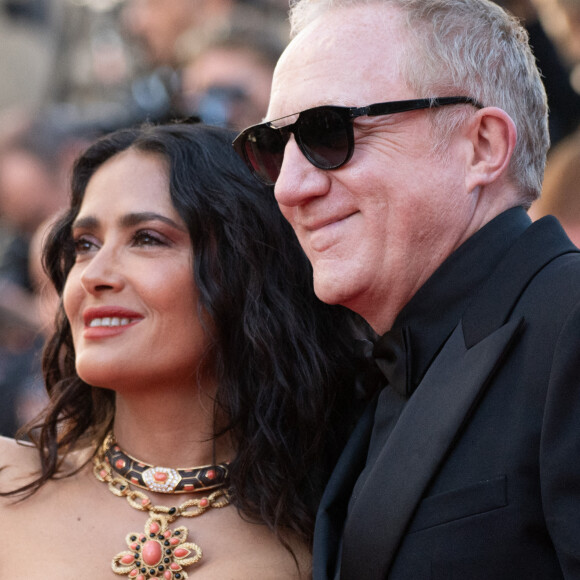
column 542, row 242
column 427, row 427
column 333, row 505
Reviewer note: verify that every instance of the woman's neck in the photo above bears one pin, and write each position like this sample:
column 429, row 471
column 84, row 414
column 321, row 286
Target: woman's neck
column 168, row 428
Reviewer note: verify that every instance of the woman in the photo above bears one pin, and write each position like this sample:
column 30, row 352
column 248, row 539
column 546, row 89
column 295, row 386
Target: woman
column 187, row 335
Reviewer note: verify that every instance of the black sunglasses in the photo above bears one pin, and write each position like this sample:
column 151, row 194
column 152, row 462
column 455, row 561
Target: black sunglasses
column 324, row 134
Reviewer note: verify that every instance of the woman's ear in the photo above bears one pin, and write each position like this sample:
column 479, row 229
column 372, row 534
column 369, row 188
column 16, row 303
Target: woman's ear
column 493, row 138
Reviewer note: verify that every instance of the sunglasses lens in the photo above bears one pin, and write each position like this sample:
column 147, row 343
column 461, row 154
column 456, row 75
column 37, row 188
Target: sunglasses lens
column 264, row 150
column 323, row 135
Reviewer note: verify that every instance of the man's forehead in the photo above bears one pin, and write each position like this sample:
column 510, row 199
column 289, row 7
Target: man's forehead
column 341, row 58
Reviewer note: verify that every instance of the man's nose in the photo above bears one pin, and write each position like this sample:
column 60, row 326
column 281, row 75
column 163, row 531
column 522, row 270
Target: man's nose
column 299, row 181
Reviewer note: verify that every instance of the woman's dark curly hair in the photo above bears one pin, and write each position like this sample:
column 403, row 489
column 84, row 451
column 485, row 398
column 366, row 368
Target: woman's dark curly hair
column 282, row 358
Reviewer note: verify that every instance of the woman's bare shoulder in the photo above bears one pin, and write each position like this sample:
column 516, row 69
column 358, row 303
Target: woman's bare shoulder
column 13, row 448
column 19, row 463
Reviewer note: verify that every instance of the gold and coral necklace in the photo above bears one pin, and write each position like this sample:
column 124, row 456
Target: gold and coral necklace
column 159, row 552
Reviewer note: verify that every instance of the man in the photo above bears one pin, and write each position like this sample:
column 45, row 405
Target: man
column 168, row 33
column 467, row 464
column 227, row 81
column 161, row 25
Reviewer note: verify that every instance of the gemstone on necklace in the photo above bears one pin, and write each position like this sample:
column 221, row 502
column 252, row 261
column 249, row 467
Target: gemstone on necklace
column 152, row 553
column 181, row 553
column 154, row 528
column 161, row 479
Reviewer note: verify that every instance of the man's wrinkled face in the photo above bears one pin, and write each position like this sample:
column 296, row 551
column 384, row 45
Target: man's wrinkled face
column 376, row 228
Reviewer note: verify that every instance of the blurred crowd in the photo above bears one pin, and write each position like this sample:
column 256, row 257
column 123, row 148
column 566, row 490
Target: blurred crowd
column 75, row 69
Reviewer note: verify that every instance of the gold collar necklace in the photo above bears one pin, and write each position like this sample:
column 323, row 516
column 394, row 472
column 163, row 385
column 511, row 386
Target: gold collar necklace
column 159, row 552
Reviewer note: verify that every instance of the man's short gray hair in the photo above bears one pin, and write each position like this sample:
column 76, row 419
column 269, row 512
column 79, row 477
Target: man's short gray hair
column 473, row 48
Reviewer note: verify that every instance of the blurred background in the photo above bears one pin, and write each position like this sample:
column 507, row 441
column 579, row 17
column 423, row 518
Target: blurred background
column 72, row 70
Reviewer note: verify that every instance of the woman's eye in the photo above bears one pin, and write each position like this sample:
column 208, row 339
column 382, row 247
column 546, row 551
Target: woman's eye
column 147, row 238
column 83, row 245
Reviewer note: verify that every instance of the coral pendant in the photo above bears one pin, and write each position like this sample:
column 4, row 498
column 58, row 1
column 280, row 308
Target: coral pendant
column 159, row 552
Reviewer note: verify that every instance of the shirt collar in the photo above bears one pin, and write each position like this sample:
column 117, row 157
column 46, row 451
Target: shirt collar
column 435, row 310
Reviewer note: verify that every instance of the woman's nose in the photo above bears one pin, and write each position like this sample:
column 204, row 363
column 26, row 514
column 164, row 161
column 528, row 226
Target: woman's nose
column 103, row 272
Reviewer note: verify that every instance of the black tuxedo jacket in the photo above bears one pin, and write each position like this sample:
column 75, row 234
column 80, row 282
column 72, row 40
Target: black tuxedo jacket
column 479, row 477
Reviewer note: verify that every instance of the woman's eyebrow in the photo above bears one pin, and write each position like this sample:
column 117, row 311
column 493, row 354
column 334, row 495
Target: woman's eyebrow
column 133, row 219
column 128, row 220
column 85, row 223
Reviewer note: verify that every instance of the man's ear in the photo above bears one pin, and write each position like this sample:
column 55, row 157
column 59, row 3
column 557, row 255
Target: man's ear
column 493, row 138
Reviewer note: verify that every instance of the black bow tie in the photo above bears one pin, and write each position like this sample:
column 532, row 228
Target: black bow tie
column 391, row 355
